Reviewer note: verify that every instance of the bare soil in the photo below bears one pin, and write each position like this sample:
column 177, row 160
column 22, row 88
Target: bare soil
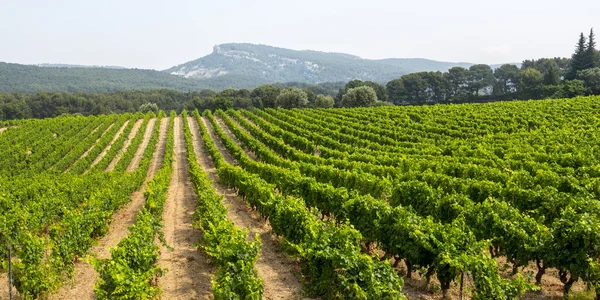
column 278, row 271
column 158, row 156
column 189, row 271
column 135, row 161
column 234, row 138
column 551, row 287
column 3, row 129
column 103, row 153
column 4, row 287
column 132, row 134
column 82, row 284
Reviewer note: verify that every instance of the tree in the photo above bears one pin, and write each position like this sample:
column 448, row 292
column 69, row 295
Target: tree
column 572, row 88
column 578, row 58
column 267, row 94
column 530, row 83
column 395, row 90
column 222, row 103
column 359, row 96
column 437, row 87
column 291, row 98
column 591, row 80
column 148, row 107
column 415, row 87
column 324, row 101
column 590, row 56
column 551, row 77
column 241, row 102
column 16, row 110
column 479, row 77
column 310, row 96
column 457, row 83
column 380, row 90
column 350, row 85
column 506, row 76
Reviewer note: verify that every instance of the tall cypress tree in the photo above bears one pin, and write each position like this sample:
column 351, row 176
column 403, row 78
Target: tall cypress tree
column 590, row 59
column 578, row 58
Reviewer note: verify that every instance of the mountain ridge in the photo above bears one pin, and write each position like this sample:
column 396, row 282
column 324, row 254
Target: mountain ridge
column 50, row 65
column 274, row 64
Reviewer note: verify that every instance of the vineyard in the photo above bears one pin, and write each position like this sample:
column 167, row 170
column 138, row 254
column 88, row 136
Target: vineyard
column 473, row 201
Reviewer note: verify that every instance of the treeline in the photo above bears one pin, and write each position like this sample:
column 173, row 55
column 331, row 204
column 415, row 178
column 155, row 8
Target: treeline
column 535, row 79
column 49, row 104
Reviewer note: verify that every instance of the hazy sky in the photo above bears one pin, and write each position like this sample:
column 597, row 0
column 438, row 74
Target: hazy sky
column 159, row 34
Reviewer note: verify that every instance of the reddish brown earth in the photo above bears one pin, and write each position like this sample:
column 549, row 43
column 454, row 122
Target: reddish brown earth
column 131, row 136
column 278, row 271
column 81, row 285
column 189, row 270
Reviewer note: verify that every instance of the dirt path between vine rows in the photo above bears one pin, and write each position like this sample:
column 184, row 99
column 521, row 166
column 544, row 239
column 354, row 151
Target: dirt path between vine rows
column 82, row 284
column 279, row 272
column 235, row 139
column 107, row 148
column 91, row 148
column 132, row 134
column 189, row 271
column 90, row 133
column 139, row 154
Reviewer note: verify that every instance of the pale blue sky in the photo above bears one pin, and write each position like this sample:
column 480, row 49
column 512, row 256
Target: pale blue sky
column 160, row 34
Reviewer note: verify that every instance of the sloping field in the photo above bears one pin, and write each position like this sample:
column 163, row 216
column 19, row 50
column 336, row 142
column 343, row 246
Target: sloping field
column 483, row 201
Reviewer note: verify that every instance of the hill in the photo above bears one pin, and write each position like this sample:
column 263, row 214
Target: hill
column 272, row 64
column 228, row 66
column 31, row 79
column 77, row 66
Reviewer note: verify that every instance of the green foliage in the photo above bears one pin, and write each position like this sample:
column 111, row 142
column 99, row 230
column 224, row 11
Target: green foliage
column 380, row 90
column 331, row 255
column 530, row 83
column 507, row 79
column 291, row 97
column 591, row 80
column 32, row 79
column 221, row 240
column 324, row 101
column 132, row 271
column 267, row 95
column 578, row 60
column 441, row 187
column 520, row 225
column 479, row 77
column 359, row 96
column 570, row 88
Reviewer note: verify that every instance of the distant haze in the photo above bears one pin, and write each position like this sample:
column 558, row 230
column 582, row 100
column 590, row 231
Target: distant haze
column 160, row 34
